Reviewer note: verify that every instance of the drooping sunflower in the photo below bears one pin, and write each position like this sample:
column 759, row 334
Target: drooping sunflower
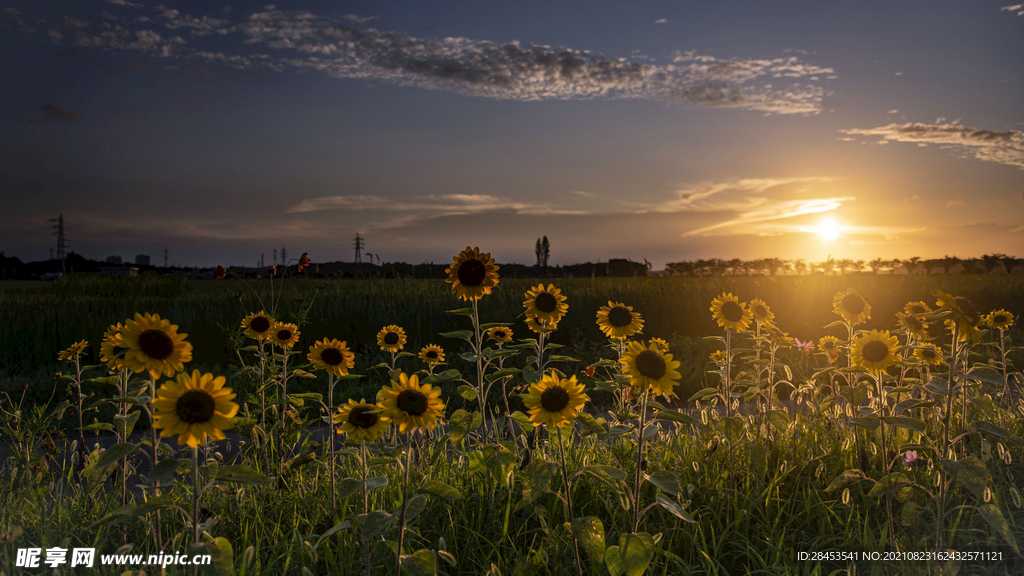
column 154, row 346
column 650, row 367
column 717, row 356
column 875, row 351
column 963, row 309
column 410, row 405
column 914, row 325
column 361, row 421
column 852, row 307
column 500, row 334
column 74, row 350
column 929, row 355
column 432, row 354
column 1000, row 319
column 777, row 336
column 194, row 407
column 917, row 308
column 555, row 401
column 730, row 314
column 830, row 346
column 537, row 325
column 547, row 304
column 391, row 338
column 619, row 321
column 111, row 350
column 284, row 334
column 473, row 274
column 257, row 326
column 660, row 343
column 762, row 313
column 332, row 356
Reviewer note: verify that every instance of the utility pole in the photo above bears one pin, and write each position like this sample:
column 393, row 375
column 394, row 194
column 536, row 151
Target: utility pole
column 61, row 240
column 275, row 256
column 359, row 248
column 284, row 256
column 260, row 265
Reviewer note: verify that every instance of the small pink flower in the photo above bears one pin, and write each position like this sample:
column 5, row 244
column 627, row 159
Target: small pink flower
column 911, row 459
column 804, row 347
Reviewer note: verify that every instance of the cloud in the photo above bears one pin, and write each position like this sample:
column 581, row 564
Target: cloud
column 893, row 111
column 15, row 14
column 777, row 211
column 437, row 204
column 125, row 3
column 1018, row 8
column 729, row 194
column 1004, row 147
column 174, row 20
column 955, row 203
column 54, row 113
column 662, row 21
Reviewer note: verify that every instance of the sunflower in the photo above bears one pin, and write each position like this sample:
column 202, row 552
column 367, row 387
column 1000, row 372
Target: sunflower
column 650, row 367
column 194, row 407
column 555, row 401
column 929, row 355
column 74, row 350
column 963, row 309
column 1000, row 319
column 500, row 334
column 730, row 314
column 473, row 274
column 284, row 334
column 332, row 356
column 830, row 346
column 361, row 421
column 410, row 405
column 391, row 338
column 717, row 356
column 257, row 326
column 219, row 272
column 619, row 321
column 547, row 304
column 538, row 325
column 916, row 308
column 111, row 351
column 432, row 354
column 914, row 325
column 660, row 343
column 852, row 307
column 778, row 337
column 154, row 345
column 874, row 351
column 762, row 313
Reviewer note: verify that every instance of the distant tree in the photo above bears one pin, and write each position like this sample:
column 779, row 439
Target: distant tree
column 912, row 264
column 774, row 265
column 539, row 251
column 546, row 250
column 992, row 261
column 876, row 265
column 799, row 266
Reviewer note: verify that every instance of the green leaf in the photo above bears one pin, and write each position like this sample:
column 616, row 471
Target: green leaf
column 376, row 482
column 308, row 396
column 562, row 359
column 222, row 557
column 970, row 472
column 666, row 481
column 523, row 421
column 165, row 468
column 702, row 394
column 673, row 416
column 869, row 422
column 503, row 373
column 991, row 513
column 467, row 392
column 847, row 477
column 462, row 311
column 348, row 487
column 989, row 428
column 442, row 377
column 458, row 426
column 114, row 454
column 733, row 428
column 603, row 363
column 613, row 561
column 591, row 425
column 636, row 551
column 589, row 532
column 461, row 334
column 530, row 375
column 855, row 395
column 938, row 386
column 674, row 508
column 604, row 473
column 441, row 490
column 890, row 483
column 101, row 380
column 416, row 505
column 985, row 376
column 490, row 325
column 419, row 563
column 138, row 401
column 331, row 532
column 242, row 475
column 374, row 523
column 779, row 419
column 905, row 422
column 536, row 478
column 99, row 426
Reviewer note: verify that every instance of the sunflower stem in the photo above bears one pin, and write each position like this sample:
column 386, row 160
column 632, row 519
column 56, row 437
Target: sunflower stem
column 401, row 517
column 728, row 380
column 639, row 460
column 477, row 347
column 568, row 502
column 195, row 494
column 330, row 431
column 283, row 404
column 366, row 500
column 156, row 460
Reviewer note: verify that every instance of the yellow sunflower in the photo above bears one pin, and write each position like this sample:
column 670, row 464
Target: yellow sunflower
column 914, row 325
column 717, row 356
column 391, row 338
column 257, row 326
column 332, row 356
column 852, row 307
column 963, row 309
column 432, row 354
column 538, row 325
column 194, row 407
column 111, row 351
column 361, row 421
column 762, row 313
column 500, row 334
column 730, row 314
column 473, row 274
column 555, row 401
column 284, row 334
column 154, row 345
column 830, row 346
column 929, row 355
column 917, row 308
column 660, row 343
column 410, row 405
column 619, row 321
column 778, row 337
column 74, row 350
column 875, row 351
column 1000, row 319
column 547, row 304
column 650, row 367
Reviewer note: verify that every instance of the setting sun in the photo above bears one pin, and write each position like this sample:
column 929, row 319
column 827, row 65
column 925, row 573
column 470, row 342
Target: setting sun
column 828, row 229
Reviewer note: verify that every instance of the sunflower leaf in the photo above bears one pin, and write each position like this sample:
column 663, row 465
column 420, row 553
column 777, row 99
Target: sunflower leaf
column 673, row 416
column 419, row 563
column 562, row 359
column 991, row 513
column 490, row 325
column 589, row 531
column 905, row 422
column 503, row 373
column 442, row 377
column 969, row 472
column 114, row 454
column 989, row 428
column 702, row 394
column 99, row 426
column 242, row 475
column 467, row 392
column 666, row 481
column 461, row 334
column 463, row 311
column 441, row 490
column 674, row 508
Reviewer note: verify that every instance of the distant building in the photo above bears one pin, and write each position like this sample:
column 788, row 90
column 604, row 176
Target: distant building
column 131, row 272
column 113, row 260
column 142, row 259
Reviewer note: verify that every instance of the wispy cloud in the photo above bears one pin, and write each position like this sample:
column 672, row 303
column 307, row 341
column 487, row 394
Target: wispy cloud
column 776, row 211
column 430, row 205
column 15, row 15
column 1018, row 8
column 743, row 193
column 662, row 21
column 125, row 3
column 1004, row 147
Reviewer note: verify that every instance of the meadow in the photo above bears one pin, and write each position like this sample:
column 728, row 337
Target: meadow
column 765, row 450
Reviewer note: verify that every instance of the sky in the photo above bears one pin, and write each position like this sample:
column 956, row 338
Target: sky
column 664, row 131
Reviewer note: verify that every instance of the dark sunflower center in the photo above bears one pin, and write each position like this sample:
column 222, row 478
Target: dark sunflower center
column 472, row 272
column 363, row 416
column 332, row 356
column 649, row 363
column 914, row 322
column 732, row 311
column 917, row 309
column 853, row 303
column 999, row 319
column 968, row 308
column 828, row 345
column 875, row 351
column 432, row 354
column 928, row 354
column 554, row 399
column 545, row 302
column 412, row 401
column 499, row 334
column 156, row 344
column 619, row 316
column 391, row 338
column 284, row 335
column 761, row 311
column 195, row 407
column 117, row 351
column 259, row 324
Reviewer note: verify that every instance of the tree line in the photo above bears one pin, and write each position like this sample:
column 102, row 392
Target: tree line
column 988, row 264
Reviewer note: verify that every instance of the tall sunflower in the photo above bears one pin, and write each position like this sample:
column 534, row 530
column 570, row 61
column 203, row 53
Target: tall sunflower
column 361, row 421
column 875, row 351
column 547, row 304
column 730, row 314
column 555, row 401
column 830, row 346
column 410, row 405
column 111, row 350
column 332, row 356
column 852, row 307
column 74, row 350
column 432, row 354
column 284, row 334
column 473, row 274
column 154, row 346
column 257, row 326
column 914, row 324
column 777, row 336
column 538, row 325
column 194, row 407
column 500, row 334
column 762, row 313
column 391, row 338
column 650, row 367
column 619, row 321
column 661, row 344
column 929, row 355
column 1000, row 319
column 917, row 308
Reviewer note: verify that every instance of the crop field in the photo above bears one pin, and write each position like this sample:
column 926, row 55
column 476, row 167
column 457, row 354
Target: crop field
column 852, row 424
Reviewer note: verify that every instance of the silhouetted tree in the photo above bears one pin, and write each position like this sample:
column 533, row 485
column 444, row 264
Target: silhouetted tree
column 539, row 251
column 546, row 250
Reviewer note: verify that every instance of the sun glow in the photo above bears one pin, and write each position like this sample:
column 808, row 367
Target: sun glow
column 828, row 229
